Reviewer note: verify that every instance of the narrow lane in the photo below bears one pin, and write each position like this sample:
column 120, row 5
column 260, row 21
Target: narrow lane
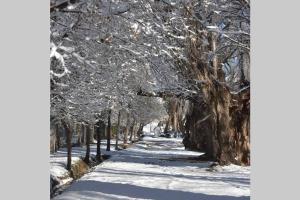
column 158, row 168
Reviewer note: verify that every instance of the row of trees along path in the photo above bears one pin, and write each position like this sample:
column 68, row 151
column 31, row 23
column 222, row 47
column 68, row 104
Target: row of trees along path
column 123, row 64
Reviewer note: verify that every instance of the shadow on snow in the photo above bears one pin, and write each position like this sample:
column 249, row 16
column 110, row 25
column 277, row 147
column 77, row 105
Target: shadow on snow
column 93, row 189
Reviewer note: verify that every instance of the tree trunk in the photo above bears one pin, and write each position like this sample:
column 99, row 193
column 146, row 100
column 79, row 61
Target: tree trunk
column 134, row 134
column 99, row 129
column 57, row 132
column 88, row 140
column 131, row 131
column 140, row 130
column 227, row 135
column 79, row 132
column 91, row 134
column 82, row 134
column 52, row 139
column 199, row 132
column 118, row 131
column 108, row 131
column 175, row 124
column 167, row 125
column 126, row 129
column 69, row 144
column 98, row 155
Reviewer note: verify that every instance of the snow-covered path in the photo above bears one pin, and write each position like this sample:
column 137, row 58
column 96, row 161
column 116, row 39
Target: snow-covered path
column 155, row 168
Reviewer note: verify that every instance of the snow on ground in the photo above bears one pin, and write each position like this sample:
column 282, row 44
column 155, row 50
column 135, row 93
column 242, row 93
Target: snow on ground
column 155, row 168
column 58, row 160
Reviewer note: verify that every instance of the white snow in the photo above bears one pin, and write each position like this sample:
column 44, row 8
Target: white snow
column 148, row 128
column 58, row 160
column 212, row 27
column 157, row 168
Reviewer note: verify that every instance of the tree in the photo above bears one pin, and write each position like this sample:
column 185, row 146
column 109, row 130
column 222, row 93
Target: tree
column 222, row 30
column 131, row 130
column 118, row 131
column 69, row 144
column 88, row 139
column 108, row 55
column 108, row 130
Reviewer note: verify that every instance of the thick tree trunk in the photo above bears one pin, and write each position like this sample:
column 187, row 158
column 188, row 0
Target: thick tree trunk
column 228, row 132
column 232, row 129
column 108, row 131
column 198, row 134
column 221, row 129
column 174, row 112
column 118, row 131
column 88, row 140
column 226, row 138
